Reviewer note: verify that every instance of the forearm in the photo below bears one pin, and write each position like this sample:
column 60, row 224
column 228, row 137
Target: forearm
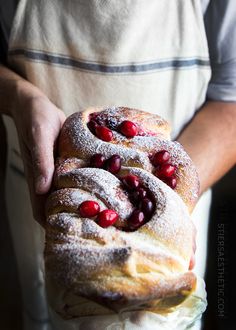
column 12, row 89
column 210, row 140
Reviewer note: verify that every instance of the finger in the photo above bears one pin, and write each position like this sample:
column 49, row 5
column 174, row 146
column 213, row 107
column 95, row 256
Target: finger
column 42, row 157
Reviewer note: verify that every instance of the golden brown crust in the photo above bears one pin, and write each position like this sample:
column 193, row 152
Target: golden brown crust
column 147, row 268
column 159, row 295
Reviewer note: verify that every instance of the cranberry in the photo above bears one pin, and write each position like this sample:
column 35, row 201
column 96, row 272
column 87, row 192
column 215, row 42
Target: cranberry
column 165, row 170
column 147, row 206
column 131, row 181
column 106, row 218
column 128, row 129
column 160, row 157
column 92, row 125
column 171, row 181
column 113, row 164
column 89, row 209
column 136, row 219
column 97, row 160
column 104, row 133
column 138, row 194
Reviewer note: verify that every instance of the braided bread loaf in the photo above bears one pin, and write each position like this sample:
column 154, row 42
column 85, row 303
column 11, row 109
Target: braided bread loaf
column 119, row 234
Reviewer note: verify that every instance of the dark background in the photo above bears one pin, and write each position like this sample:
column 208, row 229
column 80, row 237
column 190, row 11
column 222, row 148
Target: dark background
column 220, row 275
column 221, row 270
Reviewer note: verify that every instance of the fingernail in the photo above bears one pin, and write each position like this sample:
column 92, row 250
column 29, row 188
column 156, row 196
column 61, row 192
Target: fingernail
column 39, row 184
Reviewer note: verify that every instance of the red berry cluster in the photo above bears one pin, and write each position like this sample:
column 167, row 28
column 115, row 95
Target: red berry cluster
column 141, row 198
column 102, row 132
column 105, row 218
column 126, row 128
column 112, row 164
column 163, row 169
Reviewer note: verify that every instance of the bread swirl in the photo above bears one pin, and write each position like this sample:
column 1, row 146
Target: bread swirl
column 94, row 270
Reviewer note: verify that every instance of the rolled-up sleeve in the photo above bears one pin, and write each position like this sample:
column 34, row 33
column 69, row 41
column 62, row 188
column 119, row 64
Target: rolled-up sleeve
column 220, row 23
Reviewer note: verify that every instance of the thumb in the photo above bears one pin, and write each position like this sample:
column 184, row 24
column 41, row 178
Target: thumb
column 42, row 161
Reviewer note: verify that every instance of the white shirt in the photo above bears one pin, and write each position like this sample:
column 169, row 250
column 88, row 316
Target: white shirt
column 220, row 24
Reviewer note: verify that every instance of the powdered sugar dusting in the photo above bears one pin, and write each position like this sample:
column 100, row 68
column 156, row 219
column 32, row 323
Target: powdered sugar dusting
column 135, row 152
column 111, row 263
column 147, row 124
column 100, row 183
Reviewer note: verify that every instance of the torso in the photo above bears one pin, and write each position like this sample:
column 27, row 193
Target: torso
column 99, row 53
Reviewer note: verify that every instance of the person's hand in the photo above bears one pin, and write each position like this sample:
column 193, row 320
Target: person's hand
column 38, row 122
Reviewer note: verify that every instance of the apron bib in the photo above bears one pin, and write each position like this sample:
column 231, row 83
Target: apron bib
column 136, row 53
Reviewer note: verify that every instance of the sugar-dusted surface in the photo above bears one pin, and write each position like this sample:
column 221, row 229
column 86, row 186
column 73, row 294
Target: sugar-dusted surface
column 76, row 140
column 100, row 183
column 93, row 262
column 147, row 123
column 111, row 266
column 69, row 199
column 83, row 144
column 80, row 251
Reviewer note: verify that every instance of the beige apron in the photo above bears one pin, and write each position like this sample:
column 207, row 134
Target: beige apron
column 150, row 55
